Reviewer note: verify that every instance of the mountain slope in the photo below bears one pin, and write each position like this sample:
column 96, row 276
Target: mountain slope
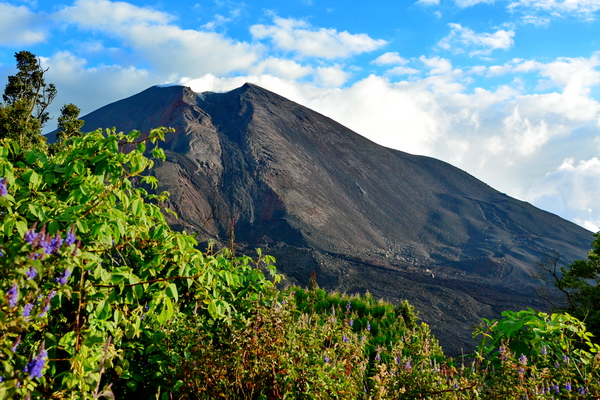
column 321, row 197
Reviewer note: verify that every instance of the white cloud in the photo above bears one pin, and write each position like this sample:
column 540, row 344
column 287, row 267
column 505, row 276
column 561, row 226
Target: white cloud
column 398, row 71
column 572, row 190
column 331, row 76
column 555, row 8
column 428, row 2
column 390, row 58
column 470, row 3
column 20, row 26
column 76, row 81
column 301, row 38
column 150, row 34
column 287, row 69
column 462, row 39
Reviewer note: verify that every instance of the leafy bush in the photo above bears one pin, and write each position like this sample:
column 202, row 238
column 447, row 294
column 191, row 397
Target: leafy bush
column 91, row 274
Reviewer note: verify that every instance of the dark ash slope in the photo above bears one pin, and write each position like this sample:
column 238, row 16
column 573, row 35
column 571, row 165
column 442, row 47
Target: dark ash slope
column 321, row 197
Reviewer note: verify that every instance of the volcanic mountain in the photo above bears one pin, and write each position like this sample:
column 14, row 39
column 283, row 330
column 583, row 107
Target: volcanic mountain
column 322, row 198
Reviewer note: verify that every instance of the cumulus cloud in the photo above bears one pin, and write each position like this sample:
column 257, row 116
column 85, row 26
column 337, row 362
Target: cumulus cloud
column 572, row 190
column 20, row 26
column 150, row 34
column 76, row 80
column 390, row 58
column 462, row 39
column 300, row 37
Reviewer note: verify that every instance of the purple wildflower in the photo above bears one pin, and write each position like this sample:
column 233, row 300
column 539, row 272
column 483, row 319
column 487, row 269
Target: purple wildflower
column 44, row 311
column 345, row 339
column 64, row 277
column 351, row 322
column 13, row 295
column 568, row 386
column 3, row 187
column 326, row 360
column 544, row 350
column 31, row 235
column 55, row 243
column 397, row 360
column 1, row 378
column 27, row 310
column 31, row 273
column 378, row 357
column 408, row 366
column 368, row 327
column 1, row 252
column 35, row 367
column 565, row 358
column 523, row 359
column 348, row 306
column 51, row 294
column 70, row 239
column 556, row 389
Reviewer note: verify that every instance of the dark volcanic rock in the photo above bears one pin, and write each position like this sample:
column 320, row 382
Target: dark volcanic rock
column 321, row 197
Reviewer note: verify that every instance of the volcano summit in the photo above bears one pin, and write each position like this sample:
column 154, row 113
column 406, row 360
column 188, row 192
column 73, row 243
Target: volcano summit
column 322, row 198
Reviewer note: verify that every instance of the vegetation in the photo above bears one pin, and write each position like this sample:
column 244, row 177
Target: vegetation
column 99, row 298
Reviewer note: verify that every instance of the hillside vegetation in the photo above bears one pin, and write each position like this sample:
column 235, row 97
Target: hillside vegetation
column 100, row 298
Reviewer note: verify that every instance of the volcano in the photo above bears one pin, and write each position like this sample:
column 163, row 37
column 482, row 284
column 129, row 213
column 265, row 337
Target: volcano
column 320, row 197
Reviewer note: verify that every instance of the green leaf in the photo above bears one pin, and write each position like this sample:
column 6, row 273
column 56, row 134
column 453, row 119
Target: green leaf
column 172, row 292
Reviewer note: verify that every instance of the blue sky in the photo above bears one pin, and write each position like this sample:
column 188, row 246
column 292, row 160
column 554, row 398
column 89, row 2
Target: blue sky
column 508, row 90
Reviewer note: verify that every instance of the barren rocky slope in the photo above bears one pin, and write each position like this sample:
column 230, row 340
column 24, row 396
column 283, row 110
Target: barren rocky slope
column 364, row 217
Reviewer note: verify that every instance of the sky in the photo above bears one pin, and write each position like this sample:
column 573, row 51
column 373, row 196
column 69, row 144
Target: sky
column 507, row 90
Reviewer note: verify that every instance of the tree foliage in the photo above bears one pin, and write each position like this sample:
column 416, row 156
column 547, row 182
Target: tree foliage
column 75, row 316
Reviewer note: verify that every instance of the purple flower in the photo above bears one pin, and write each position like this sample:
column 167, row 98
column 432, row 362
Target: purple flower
column 31, row 272
column 51, row 294
column 565, row 358
column 1, row 252
column 348, row 306
column 408, row 366
column 44, row 311
column 378, row 357
column 326, row 360
column 351, row 322
column 523, row 359
column 544, row 350
column 368, row 327
column 27, row 310
column 55, row 243
column 13, row 295
column 70, row 239
column 35, row 367
column 397, row 360
column 3, row 187
column 568, row 386
column 1, row 378
column 582, row 390
column 345, row 339
column 31, row 235
column 64, row 277
column 557, row 389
